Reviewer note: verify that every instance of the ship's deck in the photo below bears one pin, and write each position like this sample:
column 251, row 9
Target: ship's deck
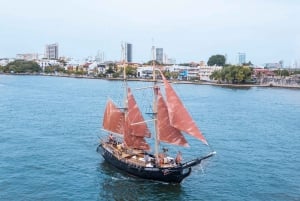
column 138, row 157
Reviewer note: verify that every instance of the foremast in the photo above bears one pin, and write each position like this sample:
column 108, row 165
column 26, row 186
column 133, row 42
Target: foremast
column 155, row 88
column 134, row 126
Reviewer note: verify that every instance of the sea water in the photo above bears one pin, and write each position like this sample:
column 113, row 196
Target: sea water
column 50, row 128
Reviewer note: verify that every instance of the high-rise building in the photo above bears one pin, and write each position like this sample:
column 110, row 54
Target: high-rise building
column 51, row 51
column 241, row 58
column 159, row 55
column 128, row 52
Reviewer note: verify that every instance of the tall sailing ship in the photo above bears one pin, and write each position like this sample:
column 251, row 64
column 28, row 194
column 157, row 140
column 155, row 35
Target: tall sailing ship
column 126, row 146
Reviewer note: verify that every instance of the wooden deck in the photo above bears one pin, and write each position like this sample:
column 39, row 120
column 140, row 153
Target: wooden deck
column 136, row 157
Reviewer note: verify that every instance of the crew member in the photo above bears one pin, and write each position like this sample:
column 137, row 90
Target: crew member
column 111, row 138
column 178, row 158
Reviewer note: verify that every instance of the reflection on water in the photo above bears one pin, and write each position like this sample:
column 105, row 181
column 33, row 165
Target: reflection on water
column 118, row 185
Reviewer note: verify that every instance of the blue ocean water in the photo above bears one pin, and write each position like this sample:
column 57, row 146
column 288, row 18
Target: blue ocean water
column 49, row 129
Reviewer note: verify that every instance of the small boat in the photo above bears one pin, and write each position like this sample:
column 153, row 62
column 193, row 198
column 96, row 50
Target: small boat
column 126, row 147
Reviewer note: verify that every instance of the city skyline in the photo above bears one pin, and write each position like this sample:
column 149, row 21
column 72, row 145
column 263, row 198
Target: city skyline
column 187, row 30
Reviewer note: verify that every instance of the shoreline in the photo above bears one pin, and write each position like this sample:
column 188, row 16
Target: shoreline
column 227, row 85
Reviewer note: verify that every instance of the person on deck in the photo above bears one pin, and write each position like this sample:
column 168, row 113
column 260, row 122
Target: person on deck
column 146, row 158
column 111, row 138
column 178, row 158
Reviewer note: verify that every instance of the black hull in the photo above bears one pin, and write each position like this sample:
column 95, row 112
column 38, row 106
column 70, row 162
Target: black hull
column 171, row 174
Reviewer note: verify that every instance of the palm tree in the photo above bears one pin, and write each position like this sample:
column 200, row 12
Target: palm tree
column 216, row 75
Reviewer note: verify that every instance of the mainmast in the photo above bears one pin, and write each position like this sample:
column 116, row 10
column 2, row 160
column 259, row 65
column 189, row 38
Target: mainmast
column 155, row 107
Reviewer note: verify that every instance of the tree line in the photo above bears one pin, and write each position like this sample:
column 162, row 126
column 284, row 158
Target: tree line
column 21, row 66
column 232, row 74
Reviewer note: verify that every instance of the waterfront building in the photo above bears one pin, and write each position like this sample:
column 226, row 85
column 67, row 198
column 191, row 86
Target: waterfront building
column 47, row 62
column 102, row 68
column 51, row 51
column 5, row 61
column 184, row 72
column 206, row 71
column 262, row 72
column 92, row 68
column 145, row 72
column 159, row 55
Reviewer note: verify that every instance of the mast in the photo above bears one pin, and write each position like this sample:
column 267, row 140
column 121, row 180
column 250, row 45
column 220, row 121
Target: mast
column 123, row 62
column 155, row 108
column 125, row 89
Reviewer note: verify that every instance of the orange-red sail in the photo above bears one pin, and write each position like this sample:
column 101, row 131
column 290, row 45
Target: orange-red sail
column 136, row 127
column 136, row 142
column 166, row 132
column 137, row 124
column 179, row 116
column 113, row 119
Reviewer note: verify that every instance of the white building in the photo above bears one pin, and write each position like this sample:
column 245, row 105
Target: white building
column 47, row 62
column 5, row 61
column 145, row 72
column 28, row 57
column 184, row 72
column 93, row 68
column 206, row 71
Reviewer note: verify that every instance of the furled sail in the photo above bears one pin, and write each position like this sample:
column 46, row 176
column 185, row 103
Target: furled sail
column 179, row 116
column 166, row 132
column 136, row 127
column 113, row 119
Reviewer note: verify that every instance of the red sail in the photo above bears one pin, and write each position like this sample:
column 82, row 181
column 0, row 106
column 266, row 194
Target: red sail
column 136, row 142
column 166, row 132
column 113, row 118
column 137, row 124
column 136, row 127
column 179, row 116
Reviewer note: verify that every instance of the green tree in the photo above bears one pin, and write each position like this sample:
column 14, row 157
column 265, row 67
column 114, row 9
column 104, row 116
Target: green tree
column 116, row 75
column 167, row 74
column 247, row 64
column 131, row 71
column 174, row 75
column 283, row 73
column 21, row 66
column 218, row 60
column 232, row 74
column 184, row 64
column 151, row 62
column 216, row 75
column 53, row 69
column 295, row 72
column 110, row 70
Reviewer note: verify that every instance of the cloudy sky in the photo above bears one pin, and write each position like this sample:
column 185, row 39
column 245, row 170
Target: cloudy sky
column 188, row 30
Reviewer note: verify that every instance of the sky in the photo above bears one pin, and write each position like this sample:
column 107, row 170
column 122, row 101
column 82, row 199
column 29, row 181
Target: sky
column 188, row 30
